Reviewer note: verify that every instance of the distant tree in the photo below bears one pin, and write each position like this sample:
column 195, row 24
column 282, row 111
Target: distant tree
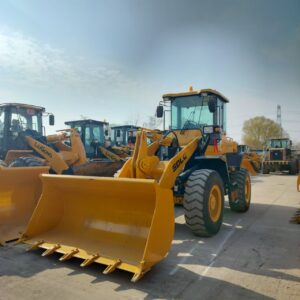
column 258, row 130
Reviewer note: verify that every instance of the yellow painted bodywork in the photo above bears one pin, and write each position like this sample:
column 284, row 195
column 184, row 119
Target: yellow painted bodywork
column 125, row 222
column 61, row 160
column 66, row 157
column 130, row 221
column 246, row 164
column 20, row 189
column 111, row 155
column 226, row 145
column 13, row 154
column 191, row 92
column 215, row 203
column 298, row 183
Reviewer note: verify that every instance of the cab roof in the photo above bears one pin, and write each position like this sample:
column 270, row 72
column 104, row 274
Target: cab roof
column 23, row 105
column 88, row 121
column 279, row 139
column 125, row 126
column 192, row 92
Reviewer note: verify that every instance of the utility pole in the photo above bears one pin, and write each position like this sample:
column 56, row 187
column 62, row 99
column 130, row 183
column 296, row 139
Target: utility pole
column 279, row 118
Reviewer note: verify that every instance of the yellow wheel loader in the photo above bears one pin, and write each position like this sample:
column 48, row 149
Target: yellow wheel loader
column 281, row 157
column 127, row 222
column 25, row 154
column 97, row 143
column 61, row 157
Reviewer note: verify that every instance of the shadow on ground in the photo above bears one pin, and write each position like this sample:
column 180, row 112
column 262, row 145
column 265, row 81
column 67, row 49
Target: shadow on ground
column 254, row 248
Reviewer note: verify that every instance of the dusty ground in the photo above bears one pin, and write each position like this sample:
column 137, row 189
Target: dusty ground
column 255, row 256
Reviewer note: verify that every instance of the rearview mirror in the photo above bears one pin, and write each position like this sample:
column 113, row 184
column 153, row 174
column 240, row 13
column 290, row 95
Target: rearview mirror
column 51, row 120
column 159, row 111
column 212, row 104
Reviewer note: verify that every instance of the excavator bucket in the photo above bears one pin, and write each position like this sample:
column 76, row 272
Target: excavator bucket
column 121, row 223
column 20, row 189
column 248, row 165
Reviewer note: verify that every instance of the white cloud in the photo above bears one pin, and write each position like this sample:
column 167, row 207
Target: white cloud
column 25, row 60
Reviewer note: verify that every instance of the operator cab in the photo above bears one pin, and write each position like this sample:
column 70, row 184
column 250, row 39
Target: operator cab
column 93, row 134
column 203, row 110
column 280, row 143
column 124, row 135
column 15, row 118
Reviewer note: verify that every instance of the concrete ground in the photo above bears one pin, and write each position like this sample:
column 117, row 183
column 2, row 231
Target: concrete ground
column 256, row 255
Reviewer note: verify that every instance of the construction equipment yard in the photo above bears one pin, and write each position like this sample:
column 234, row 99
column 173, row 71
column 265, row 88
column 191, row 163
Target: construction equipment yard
column 254, row 256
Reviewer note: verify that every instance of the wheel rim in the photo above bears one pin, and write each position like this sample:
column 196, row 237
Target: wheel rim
column 247, row 189
column 215, row 203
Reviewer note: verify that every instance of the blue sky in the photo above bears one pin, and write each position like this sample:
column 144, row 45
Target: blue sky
column 114, row 59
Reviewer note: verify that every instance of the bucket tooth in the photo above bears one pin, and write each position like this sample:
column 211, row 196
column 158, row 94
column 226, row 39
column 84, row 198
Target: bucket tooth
column 36, row 245
column 69, row 255
column 137, row 276
column 90, row 260
column 112, row 267
column 51, row 250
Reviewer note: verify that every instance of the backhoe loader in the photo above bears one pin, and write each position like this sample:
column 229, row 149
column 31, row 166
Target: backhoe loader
column 127, row 222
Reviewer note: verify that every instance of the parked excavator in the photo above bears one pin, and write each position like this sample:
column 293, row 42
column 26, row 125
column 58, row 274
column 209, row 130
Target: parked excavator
column 127, row 222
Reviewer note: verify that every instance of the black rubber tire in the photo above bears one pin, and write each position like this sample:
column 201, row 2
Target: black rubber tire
column 294, row 167
column 240, row 204
column 195, row 203
column 266, row 169
column 255, row 167
column 26, row 161
column 2, row 163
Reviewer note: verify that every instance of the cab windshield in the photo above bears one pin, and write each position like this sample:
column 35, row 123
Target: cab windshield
column 191, row 112
column 25, row 118
column 279, row 143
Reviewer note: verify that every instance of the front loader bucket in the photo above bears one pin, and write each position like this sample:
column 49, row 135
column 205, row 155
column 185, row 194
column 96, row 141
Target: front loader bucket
column 118, row 222
column 246, row 164
column 20, row 189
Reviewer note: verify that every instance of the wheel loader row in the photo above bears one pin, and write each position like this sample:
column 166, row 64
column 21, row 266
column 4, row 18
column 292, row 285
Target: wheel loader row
column 127, row 222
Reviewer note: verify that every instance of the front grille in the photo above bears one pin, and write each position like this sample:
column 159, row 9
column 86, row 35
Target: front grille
column 276, row 155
